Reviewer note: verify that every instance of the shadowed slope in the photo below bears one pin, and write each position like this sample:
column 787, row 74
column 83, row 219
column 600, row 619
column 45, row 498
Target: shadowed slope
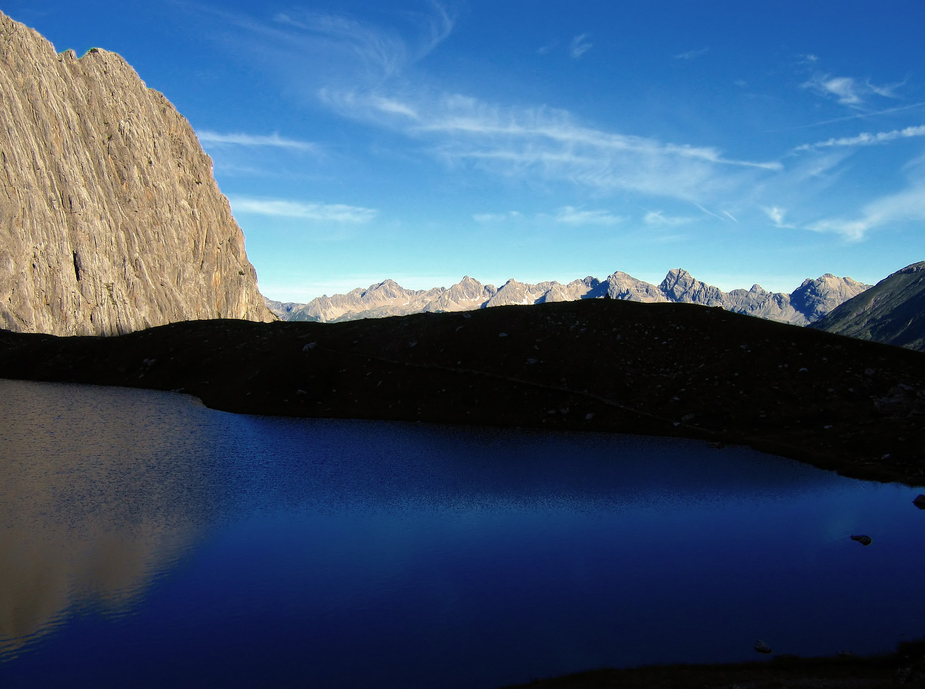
column 597, row 365
column 893, row 311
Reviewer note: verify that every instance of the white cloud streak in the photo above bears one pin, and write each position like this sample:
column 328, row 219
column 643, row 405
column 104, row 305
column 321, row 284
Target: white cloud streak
column 579, row 46
column 548, row 143
column 575, row 216
column 321, row 212
column 659, row 219
column 848, row 90
column 904, row 206
column 776, row 214
column 251, row 140
column 866, row 139
column 543, row 144
column 496, row 217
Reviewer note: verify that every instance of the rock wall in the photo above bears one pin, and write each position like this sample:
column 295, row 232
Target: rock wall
column 110, row 219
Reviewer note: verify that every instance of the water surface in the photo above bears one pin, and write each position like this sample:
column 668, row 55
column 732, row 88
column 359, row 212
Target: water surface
column 148, row 541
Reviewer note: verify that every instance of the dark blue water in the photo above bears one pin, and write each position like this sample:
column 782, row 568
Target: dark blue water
column 148, row 541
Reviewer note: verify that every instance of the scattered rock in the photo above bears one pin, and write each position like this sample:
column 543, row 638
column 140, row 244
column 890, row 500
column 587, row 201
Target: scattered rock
column 919, row 502
column 863, row 539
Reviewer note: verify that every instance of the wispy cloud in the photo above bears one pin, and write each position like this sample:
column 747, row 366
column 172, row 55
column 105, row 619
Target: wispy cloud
column 858, row 116
column 496, row 217
column 575, row 216
column 866, row 139
column 776, row 214
column 848, row 90
column 550, row 144
column 533, row 144
column 692, row 54
column 904, row 206
column 371, row 43
column 322, row 212
column 273, row 140
column 580, row 45
column 313, row 50
column 659, row 219
column 708, row 212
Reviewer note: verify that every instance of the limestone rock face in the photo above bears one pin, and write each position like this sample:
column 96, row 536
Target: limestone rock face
column 466, row 294
column 622, row 285
column 110, row 219
column 816, row 298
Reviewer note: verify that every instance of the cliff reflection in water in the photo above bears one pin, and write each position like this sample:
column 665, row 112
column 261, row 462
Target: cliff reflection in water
column 88, row 519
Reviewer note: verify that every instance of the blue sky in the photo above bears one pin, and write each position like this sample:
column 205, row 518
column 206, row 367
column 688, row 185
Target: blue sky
column 421, row 141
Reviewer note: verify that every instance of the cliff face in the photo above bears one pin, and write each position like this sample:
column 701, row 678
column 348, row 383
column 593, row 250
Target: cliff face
column 110, row 219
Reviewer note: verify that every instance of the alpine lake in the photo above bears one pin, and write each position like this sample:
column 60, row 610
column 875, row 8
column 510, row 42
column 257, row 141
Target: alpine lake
column 148, row 541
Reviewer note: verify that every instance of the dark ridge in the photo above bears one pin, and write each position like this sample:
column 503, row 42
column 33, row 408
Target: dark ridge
column 843, row 404
column 892, row 312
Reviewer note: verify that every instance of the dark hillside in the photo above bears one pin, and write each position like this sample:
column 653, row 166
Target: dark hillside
column 893, row 311
column 595, row 365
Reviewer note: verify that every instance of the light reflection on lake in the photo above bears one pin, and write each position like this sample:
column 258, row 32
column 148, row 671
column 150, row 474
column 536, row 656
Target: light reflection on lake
column 148, row 541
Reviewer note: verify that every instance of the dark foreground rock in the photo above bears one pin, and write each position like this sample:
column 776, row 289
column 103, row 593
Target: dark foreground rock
column 904, row 668
column 595, row 365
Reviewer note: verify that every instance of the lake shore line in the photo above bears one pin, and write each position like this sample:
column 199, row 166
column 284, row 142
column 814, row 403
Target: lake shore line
column 676, row 370
column 903, row 667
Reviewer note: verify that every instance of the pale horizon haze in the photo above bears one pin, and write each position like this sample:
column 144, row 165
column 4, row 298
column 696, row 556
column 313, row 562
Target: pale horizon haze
column 424, row 140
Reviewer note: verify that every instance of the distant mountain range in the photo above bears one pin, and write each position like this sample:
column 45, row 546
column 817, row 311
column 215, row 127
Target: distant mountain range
column 807, row 303
column 892, row 312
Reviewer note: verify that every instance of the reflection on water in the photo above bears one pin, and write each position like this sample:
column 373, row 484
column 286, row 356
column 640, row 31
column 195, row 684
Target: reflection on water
column 148, row 541
column 93, row 501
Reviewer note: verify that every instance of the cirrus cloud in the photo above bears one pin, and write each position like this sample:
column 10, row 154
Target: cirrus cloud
column 322, row 212
column 866, row 139
column 575, row 216
column 848, row 90
column 274, row 140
